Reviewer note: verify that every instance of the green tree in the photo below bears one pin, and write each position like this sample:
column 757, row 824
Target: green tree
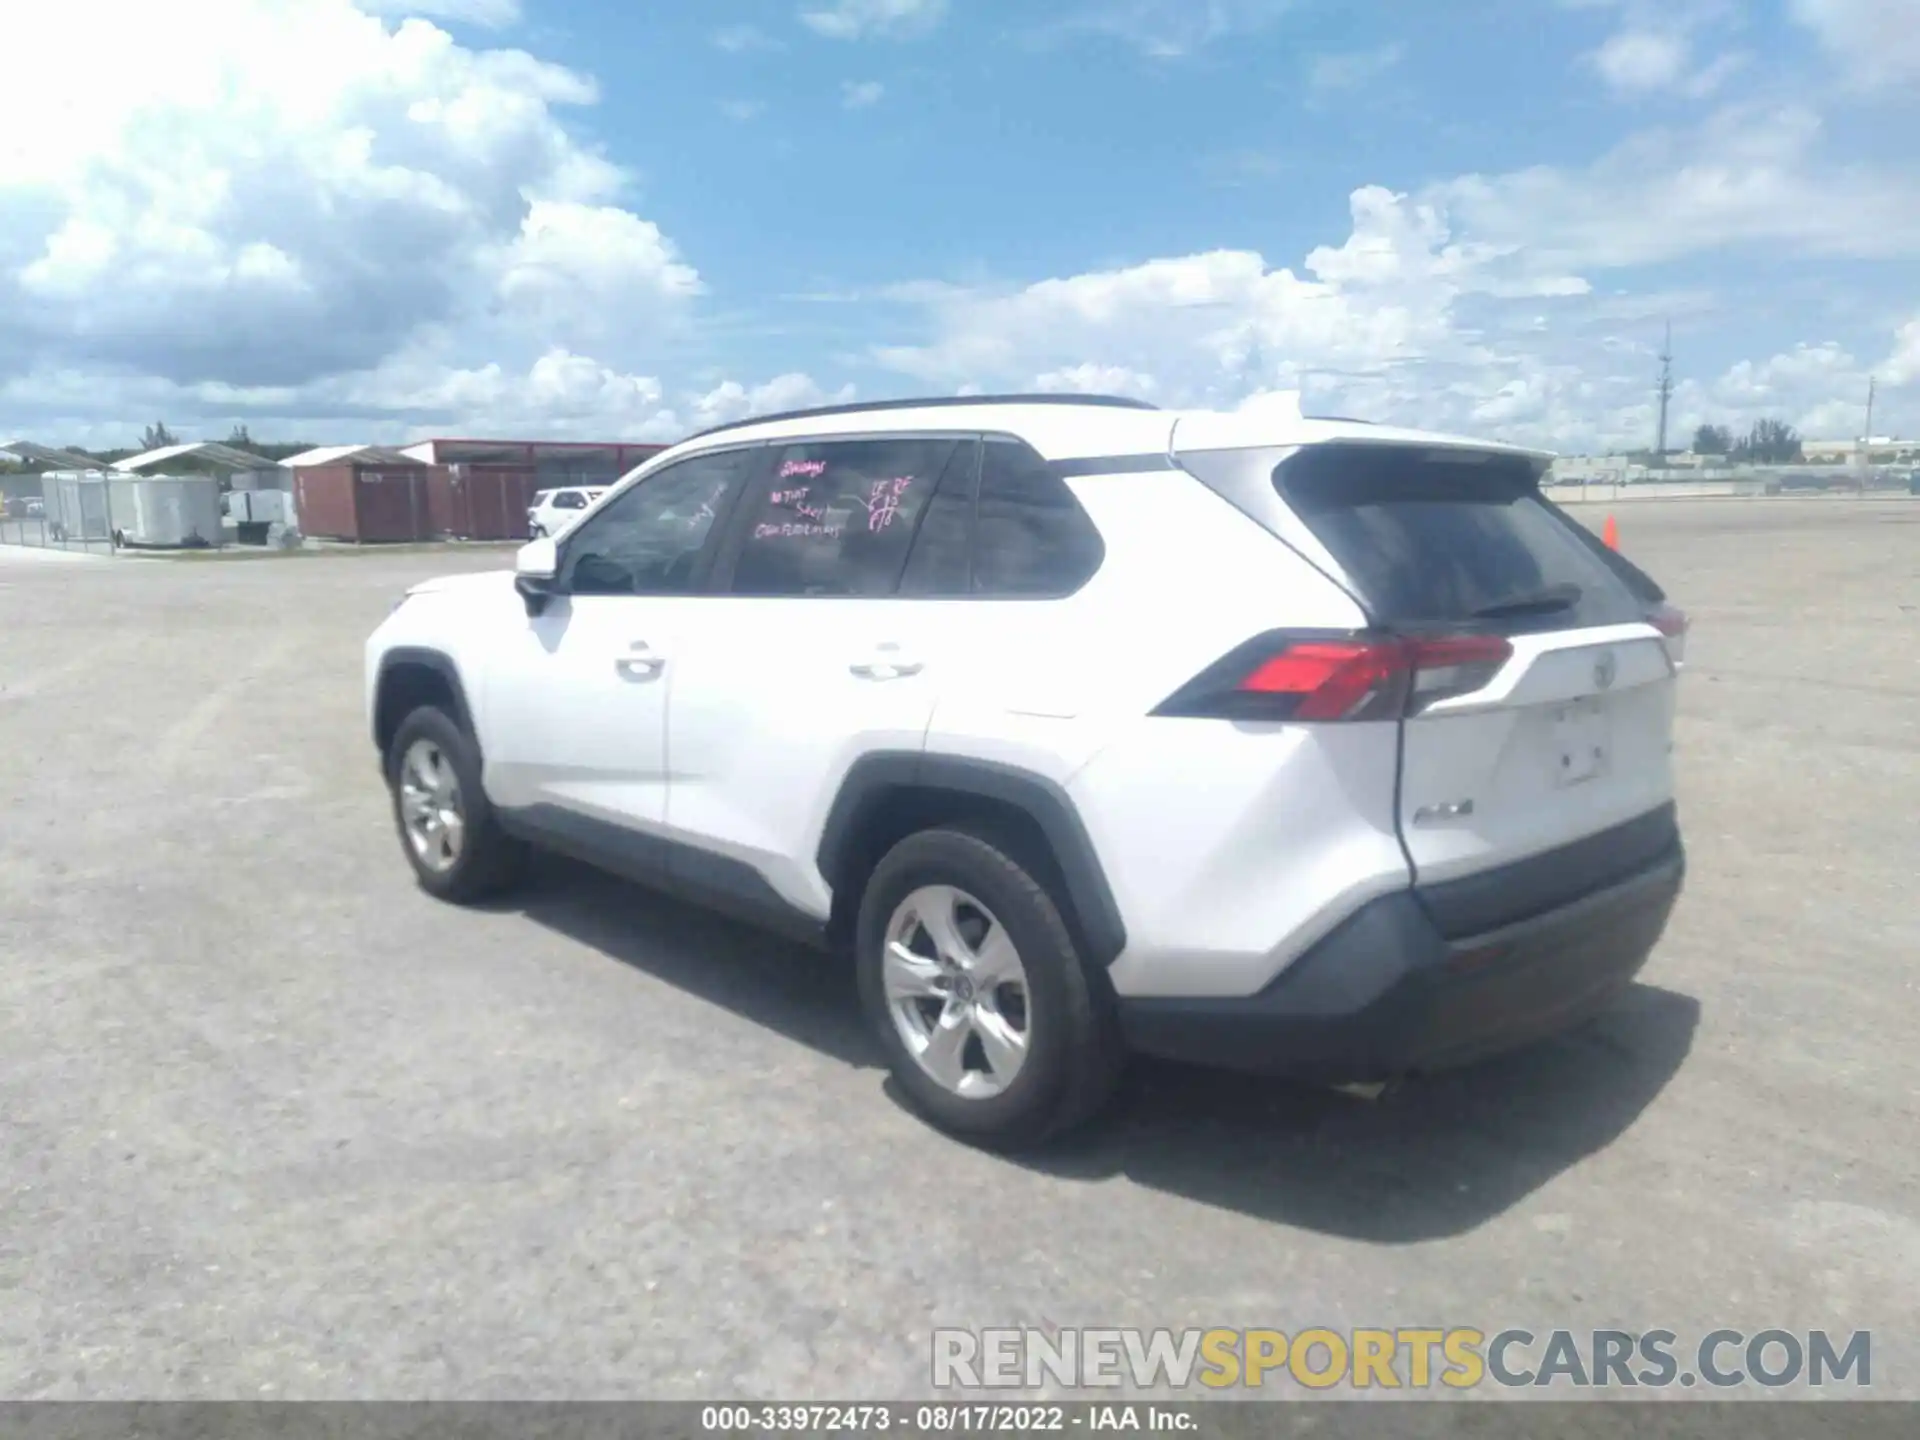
column 1713, row 440
column 1770, row 442
column 157, row 435
column 240, row 439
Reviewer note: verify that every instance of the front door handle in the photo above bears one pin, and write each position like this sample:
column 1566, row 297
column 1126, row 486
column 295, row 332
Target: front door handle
column 639, row 663
column 888, row 664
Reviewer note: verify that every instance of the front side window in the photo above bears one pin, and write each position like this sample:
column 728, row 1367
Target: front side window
column 569, row 500
column 650, row 539
column 838, row 518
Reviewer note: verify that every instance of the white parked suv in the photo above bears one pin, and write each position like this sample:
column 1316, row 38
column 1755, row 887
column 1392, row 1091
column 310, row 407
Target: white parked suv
column 552, row 511
column 1299, row 746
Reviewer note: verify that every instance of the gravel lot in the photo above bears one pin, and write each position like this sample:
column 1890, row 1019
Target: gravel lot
column 274, row 1124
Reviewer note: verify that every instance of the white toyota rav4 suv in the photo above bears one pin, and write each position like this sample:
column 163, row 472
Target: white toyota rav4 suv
column 1305, row 747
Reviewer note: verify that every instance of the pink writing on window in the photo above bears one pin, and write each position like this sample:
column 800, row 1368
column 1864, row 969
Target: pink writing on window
column 803, row 467
column 790, row 497
column 794, row 529
column 883, row 503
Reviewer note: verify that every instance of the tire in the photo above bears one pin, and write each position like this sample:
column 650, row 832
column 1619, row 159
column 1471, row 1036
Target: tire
column 1071, row 1057
column 486, row 861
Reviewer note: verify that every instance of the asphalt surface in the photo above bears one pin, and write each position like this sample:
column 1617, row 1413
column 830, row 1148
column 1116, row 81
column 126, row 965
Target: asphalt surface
column 273, row 1124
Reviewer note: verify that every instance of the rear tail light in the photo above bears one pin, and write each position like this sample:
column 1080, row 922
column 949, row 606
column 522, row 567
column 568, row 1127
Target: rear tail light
column 1453, row 665
column 1338, row 677
column 1673, row 625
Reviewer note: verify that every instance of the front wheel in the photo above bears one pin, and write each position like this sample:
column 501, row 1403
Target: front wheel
column 993, row 1026
column 448, row 829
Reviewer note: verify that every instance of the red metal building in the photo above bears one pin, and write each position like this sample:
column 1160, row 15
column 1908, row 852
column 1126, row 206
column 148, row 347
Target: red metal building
column 481, row 489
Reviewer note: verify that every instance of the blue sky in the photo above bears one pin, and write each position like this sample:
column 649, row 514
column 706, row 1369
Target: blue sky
column 626, row 220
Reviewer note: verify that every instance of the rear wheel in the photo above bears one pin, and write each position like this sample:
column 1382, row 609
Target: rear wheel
column 449, row 831
column 993, row 1026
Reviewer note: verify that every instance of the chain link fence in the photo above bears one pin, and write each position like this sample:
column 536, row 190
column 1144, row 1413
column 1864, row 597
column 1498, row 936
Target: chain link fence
column 66, row 514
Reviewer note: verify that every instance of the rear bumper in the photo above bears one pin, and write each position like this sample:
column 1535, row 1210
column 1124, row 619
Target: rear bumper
column 1389, row 993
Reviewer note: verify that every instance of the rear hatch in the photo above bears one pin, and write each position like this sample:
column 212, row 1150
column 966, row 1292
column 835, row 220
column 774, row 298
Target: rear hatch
column 1553, row 722
column 1532, row 668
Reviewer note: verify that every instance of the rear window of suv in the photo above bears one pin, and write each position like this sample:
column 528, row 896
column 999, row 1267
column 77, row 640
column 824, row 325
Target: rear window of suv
column 1437, row 538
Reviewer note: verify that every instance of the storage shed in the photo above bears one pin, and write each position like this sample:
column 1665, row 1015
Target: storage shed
column 364, row 493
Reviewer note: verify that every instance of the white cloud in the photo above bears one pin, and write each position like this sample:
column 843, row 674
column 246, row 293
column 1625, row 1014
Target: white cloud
column 575, row 267
column 730, row 400
column 1749, row 177
column 1875, row 43
column 742, row 111
column 1352, row 70
column 271, row 192
column 736, row 39
column 1902, row 366
column 1092, row 379
column 1166, row 29
column 559, row 395
column 1474, row 303
column 860, row 19
column 1643, row 60
column 1657, row 48
column 859, row 95
column 496, row 14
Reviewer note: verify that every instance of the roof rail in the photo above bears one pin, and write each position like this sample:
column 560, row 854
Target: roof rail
column 1115, row 402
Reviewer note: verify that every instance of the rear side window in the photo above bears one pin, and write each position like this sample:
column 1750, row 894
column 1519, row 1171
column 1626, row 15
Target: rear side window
column 1031, row 538
column 1002, row 525
column 838, row 518
column 1432, row 538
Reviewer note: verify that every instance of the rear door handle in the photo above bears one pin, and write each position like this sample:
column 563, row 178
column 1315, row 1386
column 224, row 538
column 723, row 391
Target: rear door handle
column 639, row 663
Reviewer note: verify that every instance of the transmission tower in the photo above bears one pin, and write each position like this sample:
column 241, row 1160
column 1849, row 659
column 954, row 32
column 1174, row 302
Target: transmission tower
column 1666, row 395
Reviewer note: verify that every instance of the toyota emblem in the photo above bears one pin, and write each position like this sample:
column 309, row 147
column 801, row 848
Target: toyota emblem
column 1604, row 670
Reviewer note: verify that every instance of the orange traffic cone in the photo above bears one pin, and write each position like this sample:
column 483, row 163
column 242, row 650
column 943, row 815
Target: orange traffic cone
column 1611, row 535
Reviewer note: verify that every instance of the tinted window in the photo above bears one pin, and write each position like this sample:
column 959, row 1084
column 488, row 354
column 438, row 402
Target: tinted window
column 569, row 500
column 942, row 546
column 837, row 519
column 1432, row 539
column 1030, row 535
column 648, row 540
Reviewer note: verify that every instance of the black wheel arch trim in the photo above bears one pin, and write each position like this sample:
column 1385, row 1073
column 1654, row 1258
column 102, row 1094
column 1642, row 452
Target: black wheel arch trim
column 422, row 657
column 1095, row 918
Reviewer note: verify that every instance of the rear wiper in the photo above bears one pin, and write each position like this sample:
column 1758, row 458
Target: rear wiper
column 1539, row 602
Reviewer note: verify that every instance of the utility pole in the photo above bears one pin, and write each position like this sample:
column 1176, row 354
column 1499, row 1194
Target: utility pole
column 1868, row 437
column 1666, row 396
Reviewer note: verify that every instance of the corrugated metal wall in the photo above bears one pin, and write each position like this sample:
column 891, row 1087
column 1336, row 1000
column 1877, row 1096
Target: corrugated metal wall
column 369, row 504
column 481, row 502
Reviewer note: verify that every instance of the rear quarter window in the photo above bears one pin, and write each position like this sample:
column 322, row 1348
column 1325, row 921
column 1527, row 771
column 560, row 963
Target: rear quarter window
column 1433, row 538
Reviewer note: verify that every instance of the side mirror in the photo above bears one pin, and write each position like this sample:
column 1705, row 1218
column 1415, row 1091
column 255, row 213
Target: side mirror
column 536, row 567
